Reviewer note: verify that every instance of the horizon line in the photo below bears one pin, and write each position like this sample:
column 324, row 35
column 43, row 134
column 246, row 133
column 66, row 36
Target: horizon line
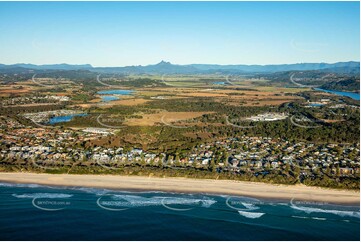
column 21, row 63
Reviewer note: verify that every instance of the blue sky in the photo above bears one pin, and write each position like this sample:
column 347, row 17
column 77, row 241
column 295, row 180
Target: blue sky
column 140, row 33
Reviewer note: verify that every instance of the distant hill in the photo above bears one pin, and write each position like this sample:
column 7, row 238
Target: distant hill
column 351, row 65
column 49, row 67
column 325, row 78
column 162, row 67
column 167, row 68
column 344, row 69
column 351, row 84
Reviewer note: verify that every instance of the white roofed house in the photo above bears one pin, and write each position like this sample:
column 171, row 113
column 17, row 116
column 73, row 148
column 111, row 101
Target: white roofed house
column 243, row 163
column 257, row 164
column 104, row 157
column 137, row 151
column 117, row 158
column 96, row 157
column 119, row 150
column 149, row 157
column 205, row 161
column 15, row 148
column 274, row 164
column 234, row 162
column 287, row 159
column 346, row 170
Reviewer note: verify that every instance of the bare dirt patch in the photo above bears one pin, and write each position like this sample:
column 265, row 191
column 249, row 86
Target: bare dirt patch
column 6, row 91
column 258, row 99
column 126, row 102
column 332, row 120
column 129, row 102
column 167, row 117
column 202, row 94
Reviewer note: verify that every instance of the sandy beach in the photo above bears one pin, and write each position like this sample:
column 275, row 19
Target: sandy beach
column 225, row 187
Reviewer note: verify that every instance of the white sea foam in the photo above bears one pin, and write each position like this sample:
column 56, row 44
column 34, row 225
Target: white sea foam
column 20, row 185
column 250, row 206
column 317, row 218
column 341, row 213
column 104, row 191
column 252, row 215
column 218, row 195
column 42, row 195
column 96, row 191
column 300, row 217
column 139, row 201
column 243, row 203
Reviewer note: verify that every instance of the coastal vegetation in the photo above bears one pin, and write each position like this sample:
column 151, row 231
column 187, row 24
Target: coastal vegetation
column 290, row 177
column 169, row 118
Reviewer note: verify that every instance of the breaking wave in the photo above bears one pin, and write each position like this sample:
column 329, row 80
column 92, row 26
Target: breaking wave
column 96, row 191
column 139, row 201
column 42, row 195
column 250, row 206
column 4, row 184
column 329, row 211
column 242, row 203
column 315, row 218
column 250, row 214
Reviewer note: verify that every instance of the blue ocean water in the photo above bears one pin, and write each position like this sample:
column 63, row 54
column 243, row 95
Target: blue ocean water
column 34, row 212
column 65, row 118
column 352, row 95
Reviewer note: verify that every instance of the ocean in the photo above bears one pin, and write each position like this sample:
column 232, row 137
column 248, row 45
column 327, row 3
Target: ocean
column 37, row 212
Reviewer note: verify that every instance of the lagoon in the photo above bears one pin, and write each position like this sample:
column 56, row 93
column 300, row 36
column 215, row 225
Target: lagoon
column 109, row 98
column 315, row 105
column 66, row 118
column 116, row 92
column 112, row 95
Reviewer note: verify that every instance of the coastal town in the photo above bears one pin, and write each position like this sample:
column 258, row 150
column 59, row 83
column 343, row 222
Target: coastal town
column 33, row 100
column 45, row 148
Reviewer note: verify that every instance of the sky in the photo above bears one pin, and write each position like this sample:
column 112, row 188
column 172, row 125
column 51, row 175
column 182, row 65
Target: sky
column 142, row 33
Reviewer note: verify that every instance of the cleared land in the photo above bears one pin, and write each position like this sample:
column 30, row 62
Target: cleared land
column 162, row 117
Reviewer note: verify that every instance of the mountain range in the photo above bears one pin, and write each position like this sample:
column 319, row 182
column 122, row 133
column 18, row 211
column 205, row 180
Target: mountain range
column 164, row 67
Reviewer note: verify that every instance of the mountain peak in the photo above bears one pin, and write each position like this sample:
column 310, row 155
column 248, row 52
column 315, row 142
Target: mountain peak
column 164, row 63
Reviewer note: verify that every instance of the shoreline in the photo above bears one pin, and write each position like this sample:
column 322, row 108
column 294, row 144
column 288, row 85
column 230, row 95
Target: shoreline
column 189, row 185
